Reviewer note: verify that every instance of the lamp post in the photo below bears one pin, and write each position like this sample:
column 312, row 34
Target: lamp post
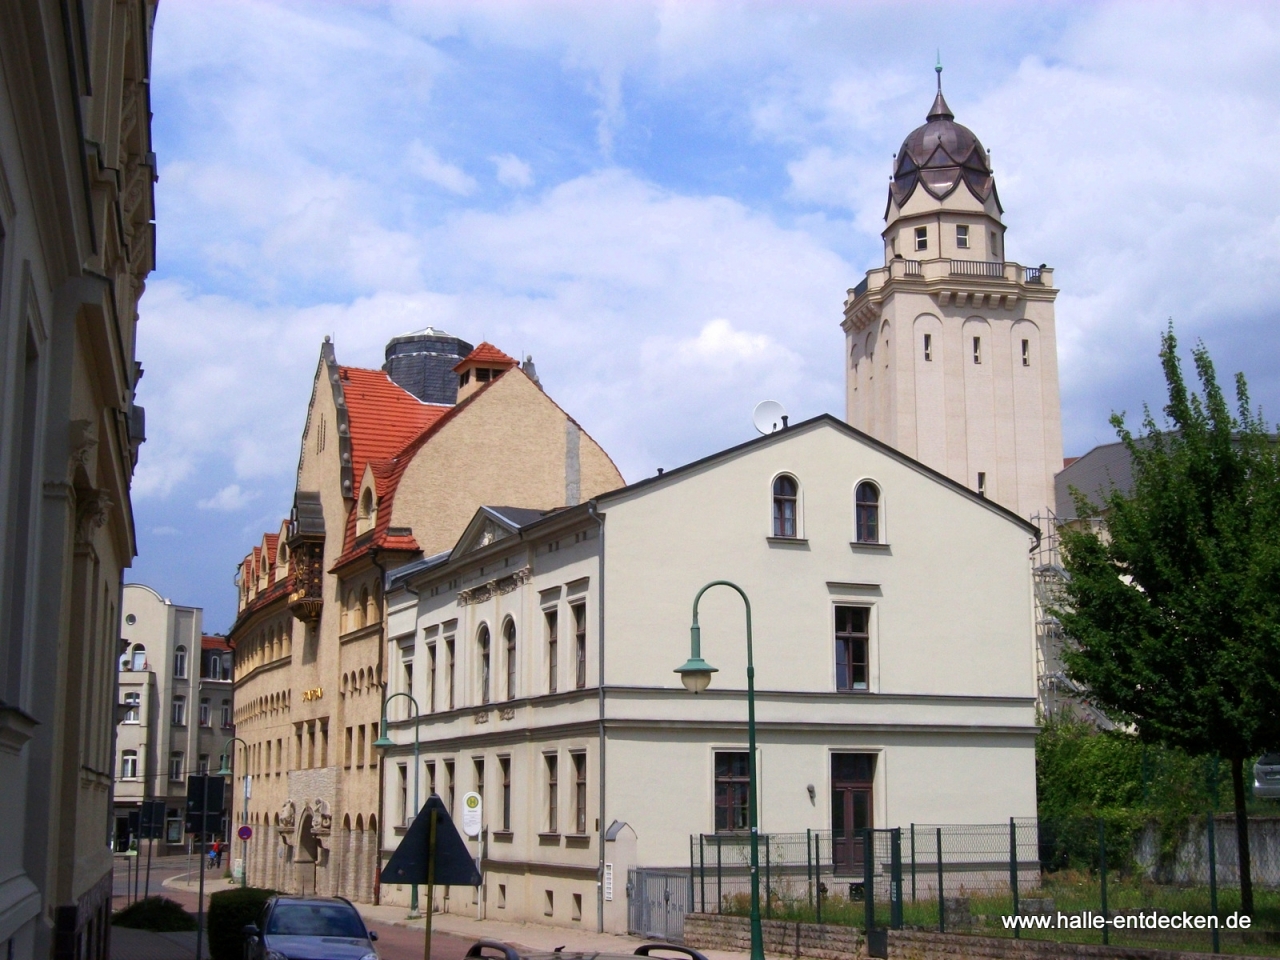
column 244, row 807
column 382, row 743
column 695, row 674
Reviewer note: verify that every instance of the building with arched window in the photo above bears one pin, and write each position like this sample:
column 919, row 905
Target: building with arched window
column 393, row 465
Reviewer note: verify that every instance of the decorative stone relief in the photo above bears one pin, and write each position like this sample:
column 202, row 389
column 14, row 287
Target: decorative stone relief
column 288, row 816
column 495, row 588
column 92, row 509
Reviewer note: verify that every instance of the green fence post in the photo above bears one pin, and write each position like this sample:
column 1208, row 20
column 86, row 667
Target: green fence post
column 869, row 878
column 768, row 903
column 808, row 862
column 817, row 874
column 702, row 871
column 1213, row 880
column 1102, row 871
column 719, row 876
column 942, row 907
column 895, row 879
column 913, row 863
column 1013, row 873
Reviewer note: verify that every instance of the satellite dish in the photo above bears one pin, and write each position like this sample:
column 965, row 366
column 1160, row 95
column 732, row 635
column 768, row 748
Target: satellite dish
column 769, row 416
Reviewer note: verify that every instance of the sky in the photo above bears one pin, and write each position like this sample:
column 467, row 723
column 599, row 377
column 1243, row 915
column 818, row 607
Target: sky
column 664, row 203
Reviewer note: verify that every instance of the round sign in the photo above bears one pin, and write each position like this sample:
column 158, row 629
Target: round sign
column 471, row 814
column 245, row 832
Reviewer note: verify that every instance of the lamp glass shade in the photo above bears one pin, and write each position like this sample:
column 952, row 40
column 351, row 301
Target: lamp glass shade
column 224, row 772
column 695, row 674
column 383, row 742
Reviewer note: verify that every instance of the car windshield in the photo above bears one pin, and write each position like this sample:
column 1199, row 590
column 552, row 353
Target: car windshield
column 315, row 920
column 1269, row 760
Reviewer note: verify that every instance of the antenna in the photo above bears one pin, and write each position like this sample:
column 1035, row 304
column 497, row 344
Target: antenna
column 769, row 416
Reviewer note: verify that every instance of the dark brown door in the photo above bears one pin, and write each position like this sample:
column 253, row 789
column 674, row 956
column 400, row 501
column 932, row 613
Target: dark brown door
column 851, row 778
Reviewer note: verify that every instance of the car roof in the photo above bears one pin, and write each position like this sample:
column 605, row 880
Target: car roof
column 284, row 898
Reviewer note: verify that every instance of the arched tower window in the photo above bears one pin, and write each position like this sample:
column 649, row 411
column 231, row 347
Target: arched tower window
column 785, row 496
column 482, row 642
column 180, row 662
column 867, row 512
column 139, row 657
column 360, row 610
column 509, row 635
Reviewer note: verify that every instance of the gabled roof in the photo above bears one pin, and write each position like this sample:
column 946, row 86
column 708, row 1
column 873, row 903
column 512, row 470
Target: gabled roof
column 486, row 354
column 214, row 643
column 1103, row 469
column 383, row 416
column 491, row 524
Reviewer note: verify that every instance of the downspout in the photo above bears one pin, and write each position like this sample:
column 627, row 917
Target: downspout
column 382, row 761
column 602, row 825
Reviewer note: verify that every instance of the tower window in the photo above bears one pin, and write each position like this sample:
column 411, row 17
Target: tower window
column 995, row 250
column 922, row 238
column 982, row 484
column 977, row 349
column 1026, row 353
column 928, row 348
column 962, row 236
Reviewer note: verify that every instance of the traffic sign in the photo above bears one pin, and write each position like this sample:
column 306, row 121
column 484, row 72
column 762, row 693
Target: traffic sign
column 453, row 862
column 245, row 832
column 472, row 812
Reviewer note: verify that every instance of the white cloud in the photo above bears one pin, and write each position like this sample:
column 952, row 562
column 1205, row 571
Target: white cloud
column 229, row 499
column 428, row 165
column 512, row 171
column 165, row 531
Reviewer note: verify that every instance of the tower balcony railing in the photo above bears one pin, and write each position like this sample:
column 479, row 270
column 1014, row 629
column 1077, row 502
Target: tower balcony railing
column 978, row 268
column 944, row 268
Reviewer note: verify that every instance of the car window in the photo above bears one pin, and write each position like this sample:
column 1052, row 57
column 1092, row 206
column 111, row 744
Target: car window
column 1270, row 760
column 315, row 920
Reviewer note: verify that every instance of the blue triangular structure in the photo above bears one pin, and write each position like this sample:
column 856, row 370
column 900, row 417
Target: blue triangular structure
column 454, row 863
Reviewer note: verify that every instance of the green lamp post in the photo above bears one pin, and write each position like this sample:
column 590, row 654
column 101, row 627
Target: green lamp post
column 383, row 743
column 244, row 807
column 695, row 674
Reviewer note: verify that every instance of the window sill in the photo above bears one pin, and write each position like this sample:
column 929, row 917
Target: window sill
column 577, row 840
column 866, row 545
column 502, row 836
column 800, row 543
column 549, row 839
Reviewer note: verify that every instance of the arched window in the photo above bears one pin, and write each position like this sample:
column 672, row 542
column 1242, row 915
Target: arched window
column 366, row 516
column 139, row 657
column 132, row 703
column 509, row 635
column 867, row 512
column 785, row 492
column 179, row 715
column 371, row 607
column 180, row 662
column 360, row 610
column 482, row 641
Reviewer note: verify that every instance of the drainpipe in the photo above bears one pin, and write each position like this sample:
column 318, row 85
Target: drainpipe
column 591, row 509
column 382, row 761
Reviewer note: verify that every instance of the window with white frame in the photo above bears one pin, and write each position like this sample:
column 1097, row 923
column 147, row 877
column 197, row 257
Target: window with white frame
column 175, row 765
column 962, row 236
column 178, row 715
column 922, row 238
column 206, row 712
column 132, row 707
column 580, row 642
column 867, row 512
column 852, row 641
column 509, row 636
column 579, row 792
column 226, row 713
column 553, row 649
column 180, row 662
column 482, row 643
column 553, row 793
column 786, row 493
column 732, row 786
column 129, row 765
column 139, row 657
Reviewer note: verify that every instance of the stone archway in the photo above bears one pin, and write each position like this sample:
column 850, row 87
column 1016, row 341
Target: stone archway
column 306, row 856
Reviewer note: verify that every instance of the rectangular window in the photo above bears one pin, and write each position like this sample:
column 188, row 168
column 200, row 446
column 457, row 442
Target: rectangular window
column 179, row 715
column 962, row 236
column 175, row 765
column 132, row 703
column 373, row 752
column 206, row 713
column 297, row 746
column 431, row 678
column 431, row 776
column 977, row 349
column 226, row 713
column 509, row 634
column 928, row 348
column 922, row 238
column 403, row 793
column 549, row 907
column 553, row 793
column 553, row 642
column 449, row 785
column 279, row 756
column 129, row 765
column 1026, row 353
column 579, row 792
column 982, row 484
column 733, row 783
column 851, row 647
column 202, row 765
column 346, row 749
column 502, row 896
column 324, row 743
column 580, row 642
column 408, row 677
column 311, row 744
column 360, row 745
column 504, row 765
column 449, row 664
column 995, row 253
column 577, row 906
column 478, row 762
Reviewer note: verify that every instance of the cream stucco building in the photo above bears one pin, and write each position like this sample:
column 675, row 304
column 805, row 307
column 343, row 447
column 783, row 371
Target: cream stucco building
column 895, row 679
column 951, row 348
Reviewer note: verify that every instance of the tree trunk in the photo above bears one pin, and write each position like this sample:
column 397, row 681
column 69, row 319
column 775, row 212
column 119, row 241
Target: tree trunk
column 1242, row 836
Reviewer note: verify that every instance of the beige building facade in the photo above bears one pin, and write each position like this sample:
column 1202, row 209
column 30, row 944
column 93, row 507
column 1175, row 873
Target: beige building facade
column 77, row 242
column 894, row 669
column 389, row 469
column 951, row 348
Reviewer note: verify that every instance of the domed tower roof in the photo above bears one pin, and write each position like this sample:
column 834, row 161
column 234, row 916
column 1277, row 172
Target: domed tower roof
column 941, row 155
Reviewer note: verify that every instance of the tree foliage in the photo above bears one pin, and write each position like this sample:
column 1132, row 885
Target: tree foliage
column 1173, row 595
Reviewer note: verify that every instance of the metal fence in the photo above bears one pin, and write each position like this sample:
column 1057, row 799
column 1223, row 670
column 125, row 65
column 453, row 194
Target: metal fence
column 1080, row 881
column 657, row 901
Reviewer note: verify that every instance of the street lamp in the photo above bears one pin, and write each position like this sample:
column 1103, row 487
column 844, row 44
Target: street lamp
column 695, row 674
column 383, row 743
column 244, row 807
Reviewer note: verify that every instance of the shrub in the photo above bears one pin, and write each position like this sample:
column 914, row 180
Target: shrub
column 229, row 912
column 159, row 914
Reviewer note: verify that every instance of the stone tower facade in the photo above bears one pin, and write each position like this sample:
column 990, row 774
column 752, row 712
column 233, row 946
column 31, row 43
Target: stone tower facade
column 951, row 349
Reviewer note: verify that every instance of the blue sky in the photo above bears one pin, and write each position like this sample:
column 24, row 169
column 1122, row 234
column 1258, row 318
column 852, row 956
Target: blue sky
column 664, row 204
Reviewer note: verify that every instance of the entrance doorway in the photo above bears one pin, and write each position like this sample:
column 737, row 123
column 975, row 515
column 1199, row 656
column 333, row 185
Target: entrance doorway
column 852, row 775
column 307, row 855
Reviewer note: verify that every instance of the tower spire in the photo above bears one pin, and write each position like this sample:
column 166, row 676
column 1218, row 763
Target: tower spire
column 938, row 69
column 940, row 110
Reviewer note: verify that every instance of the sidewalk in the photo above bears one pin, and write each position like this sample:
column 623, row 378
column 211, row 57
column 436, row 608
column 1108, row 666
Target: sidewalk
column 524, row 936
column 127, row 944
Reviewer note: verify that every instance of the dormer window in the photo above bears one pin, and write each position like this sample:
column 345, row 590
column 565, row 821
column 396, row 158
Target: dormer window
column 962, row 236
column 922, row 238
column 463, row 378
column 367, row 512
column 483, row 374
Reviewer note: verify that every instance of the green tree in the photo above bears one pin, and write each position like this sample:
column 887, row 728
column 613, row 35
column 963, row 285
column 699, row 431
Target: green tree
column 1173, row 597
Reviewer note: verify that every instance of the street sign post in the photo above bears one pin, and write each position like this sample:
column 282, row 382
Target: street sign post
column 432, row 852
column 245, row 832
column 204, row 799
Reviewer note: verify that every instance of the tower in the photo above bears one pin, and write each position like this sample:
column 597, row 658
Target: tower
column 951, row 350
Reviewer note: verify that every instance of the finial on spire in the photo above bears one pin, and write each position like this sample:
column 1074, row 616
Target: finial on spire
column 939, row 110
column 938, row 69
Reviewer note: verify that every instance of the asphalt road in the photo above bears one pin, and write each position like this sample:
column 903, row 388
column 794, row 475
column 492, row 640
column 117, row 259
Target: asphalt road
column 402, row 943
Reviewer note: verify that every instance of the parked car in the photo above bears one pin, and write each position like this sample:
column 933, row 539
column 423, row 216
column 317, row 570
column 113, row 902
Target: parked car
column 497, row 950
column 309, row 928
column 1266, row 776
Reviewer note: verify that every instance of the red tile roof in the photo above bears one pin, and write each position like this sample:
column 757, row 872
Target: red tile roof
column 383, row 416
column 214, row 643
column 273, row 542
column 488, row 355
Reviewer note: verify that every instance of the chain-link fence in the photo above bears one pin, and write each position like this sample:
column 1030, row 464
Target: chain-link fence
column 1080, row 881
